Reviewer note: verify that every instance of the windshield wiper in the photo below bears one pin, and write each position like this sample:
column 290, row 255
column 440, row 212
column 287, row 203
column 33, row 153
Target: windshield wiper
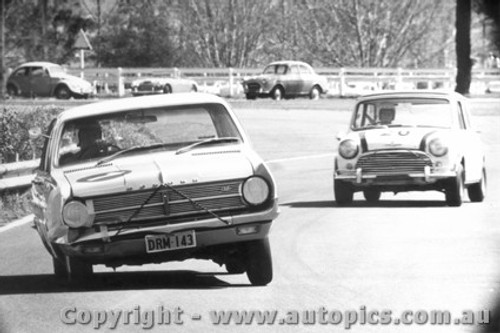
column 128, row 150
column 210, row 141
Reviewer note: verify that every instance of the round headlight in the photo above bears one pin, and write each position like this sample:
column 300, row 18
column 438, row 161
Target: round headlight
column 437, row 147
column 76, row 215
column 348, row 149
column 255, row 190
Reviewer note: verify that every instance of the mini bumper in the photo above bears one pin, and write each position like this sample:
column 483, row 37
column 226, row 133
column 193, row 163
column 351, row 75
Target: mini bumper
column 429, row 175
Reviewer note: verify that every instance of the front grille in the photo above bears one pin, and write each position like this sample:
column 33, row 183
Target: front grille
column 220, row 197
column 253, row 87
column 393, row 163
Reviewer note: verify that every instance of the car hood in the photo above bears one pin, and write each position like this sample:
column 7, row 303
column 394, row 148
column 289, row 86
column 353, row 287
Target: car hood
column 396, row 138
column 147, row 171
column 260, row 77
column 73, row 79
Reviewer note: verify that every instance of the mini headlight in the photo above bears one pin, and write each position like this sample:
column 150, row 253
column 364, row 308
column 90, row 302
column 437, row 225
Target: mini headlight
column 76, row 214
column 348, row 149
column 437, row 147
column 255, row 191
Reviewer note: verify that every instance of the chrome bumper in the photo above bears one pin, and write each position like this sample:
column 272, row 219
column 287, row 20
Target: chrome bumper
column 429, row 175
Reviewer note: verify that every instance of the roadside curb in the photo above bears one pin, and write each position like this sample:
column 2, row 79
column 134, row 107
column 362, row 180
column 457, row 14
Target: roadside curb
column 17, row 223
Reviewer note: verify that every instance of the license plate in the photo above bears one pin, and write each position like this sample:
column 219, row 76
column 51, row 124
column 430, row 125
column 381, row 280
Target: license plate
column 160, row 243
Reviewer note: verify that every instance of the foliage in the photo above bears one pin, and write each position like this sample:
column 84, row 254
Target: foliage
column 14, row 205
column 15, row 122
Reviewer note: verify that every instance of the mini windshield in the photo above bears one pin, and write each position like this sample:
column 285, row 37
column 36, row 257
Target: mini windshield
column 140, row 131
column 403, row 112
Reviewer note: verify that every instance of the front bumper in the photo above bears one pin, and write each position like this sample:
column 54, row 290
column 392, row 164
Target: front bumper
column 129, row 246
column 428, row 176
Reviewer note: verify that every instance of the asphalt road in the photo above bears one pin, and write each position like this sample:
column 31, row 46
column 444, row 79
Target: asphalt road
column 408, row 252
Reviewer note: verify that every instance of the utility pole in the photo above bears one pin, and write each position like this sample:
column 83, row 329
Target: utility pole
column 2, row 60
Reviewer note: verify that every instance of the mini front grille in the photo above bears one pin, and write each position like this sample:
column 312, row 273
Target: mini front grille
column 397, row 162
column 169, row 203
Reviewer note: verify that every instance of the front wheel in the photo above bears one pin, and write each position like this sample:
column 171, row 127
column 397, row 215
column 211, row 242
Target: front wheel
column 277, row 94
column 314, row 94
column 167, row 89
column 259, row 262
column 12, row 91
column 250, row 96
column 343, row 192
column 477, row 192
column 455, row 189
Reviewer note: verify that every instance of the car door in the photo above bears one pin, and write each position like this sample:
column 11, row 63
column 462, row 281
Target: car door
column 307, row 79
column 43, row 192
column 293, row 81
column 40, row 81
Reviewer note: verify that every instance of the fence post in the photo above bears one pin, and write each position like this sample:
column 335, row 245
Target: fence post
column 121, row 87
column 231, row 70
column 341, row 81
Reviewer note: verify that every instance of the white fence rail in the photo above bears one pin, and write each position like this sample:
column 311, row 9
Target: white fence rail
column 18, row 175
column 342, row 81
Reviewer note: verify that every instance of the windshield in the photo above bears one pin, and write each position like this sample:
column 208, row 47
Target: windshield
column 275, row 69
column 168, row 128
column 399, row 112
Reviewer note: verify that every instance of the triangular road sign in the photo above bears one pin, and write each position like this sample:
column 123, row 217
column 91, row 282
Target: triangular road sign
column 82, row 42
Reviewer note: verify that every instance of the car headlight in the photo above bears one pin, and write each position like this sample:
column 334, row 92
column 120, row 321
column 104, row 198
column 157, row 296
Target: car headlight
column 348, row 149
column 255, row 191
column 437, row 147
column 76, row 215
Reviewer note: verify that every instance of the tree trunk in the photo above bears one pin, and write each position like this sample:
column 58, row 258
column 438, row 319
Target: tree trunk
column 463, row 46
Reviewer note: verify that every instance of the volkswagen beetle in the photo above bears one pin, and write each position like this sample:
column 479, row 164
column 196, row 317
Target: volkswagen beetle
column 153, row 179
column 410, row 141
column 45, row 79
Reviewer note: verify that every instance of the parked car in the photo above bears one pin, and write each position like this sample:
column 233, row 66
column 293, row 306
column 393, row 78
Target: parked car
column 410, row 141
column 286, row 79
column 162, row 85
column 45, row 79
column 153, row 179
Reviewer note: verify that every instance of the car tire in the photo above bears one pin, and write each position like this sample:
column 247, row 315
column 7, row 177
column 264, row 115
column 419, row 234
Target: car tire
column 167, row 89
column 259, row 266
column 477, row 191
column 12, row 90
column 250, row 96
column 343, row 193
column 371, row 195
column 315, row 92
column 277, row 93
column 455, row 189
column 235, row 265
column 63, row 92
column 194, row 88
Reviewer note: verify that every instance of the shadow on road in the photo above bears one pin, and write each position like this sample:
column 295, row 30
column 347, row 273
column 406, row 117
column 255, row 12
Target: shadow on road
column 365, row 204
column 47, row 283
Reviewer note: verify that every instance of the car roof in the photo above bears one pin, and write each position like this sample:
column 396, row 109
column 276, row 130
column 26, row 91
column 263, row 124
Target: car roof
column 448, row 94
column 38, row 63
column 289, row 62
column 134, row 103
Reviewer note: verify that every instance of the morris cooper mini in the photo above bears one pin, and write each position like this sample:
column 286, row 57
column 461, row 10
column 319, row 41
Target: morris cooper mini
column 153, row 179
column 410, row 141
column 286, row 79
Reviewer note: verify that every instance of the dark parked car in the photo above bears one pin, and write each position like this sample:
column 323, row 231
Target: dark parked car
column 45, row 79
column 286, row 79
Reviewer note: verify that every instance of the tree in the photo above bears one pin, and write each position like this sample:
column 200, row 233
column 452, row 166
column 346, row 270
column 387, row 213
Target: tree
column 463, row 46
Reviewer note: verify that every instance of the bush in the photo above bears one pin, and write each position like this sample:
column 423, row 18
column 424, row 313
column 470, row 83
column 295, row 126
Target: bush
column 15, row 122
column 14, row 206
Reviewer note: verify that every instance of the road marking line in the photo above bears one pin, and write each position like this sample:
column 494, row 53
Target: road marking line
column 17, row 223
column 299, row 158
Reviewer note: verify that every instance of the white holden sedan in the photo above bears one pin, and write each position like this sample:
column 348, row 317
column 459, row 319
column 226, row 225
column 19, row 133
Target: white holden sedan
column 410, row 141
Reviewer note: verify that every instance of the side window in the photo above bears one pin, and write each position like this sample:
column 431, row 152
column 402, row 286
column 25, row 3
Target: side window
column 304, row 70
column 461, row 119
column 44, row 160
column 21, row 72
column 37, row 71
column 281, row 69
column 294, row 70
